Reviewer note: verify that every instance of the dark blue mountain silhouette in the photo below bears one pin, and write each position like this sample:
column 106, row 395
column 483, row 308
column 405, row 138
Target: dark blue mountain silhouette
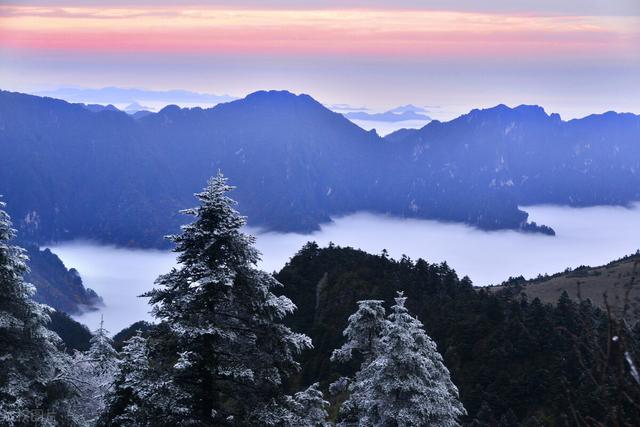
column 67, row 172
column 538, row 157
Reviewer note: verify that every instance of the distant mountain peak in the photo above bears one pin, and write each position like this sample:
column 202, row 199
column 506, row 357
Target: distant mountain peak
column 409, row 108
column 278, row 96
column 272, row 102
column 399, row 114
column 522, row 108
column 95, row 108
column 521, row 112
column 169, row 109
column 530, row 109
column 271, row 93
column 135, row 107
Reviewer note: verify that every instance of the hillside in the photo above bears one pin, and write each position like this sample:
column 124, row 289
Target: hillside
column 515, row 361
column 616, row 279
column 107, row 176
column 57, row 286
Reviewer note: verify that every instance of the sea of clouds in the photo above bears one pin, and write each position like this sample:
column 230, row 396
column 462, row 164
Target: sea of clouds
column 585, row 236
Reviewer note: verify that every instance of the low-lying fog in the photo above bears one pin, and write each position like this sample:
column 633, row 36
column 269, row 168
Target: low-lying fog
column 589, row 236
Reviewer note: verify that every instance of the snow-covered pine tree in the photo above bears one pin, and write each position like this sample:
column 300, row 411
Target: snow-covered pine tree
column 33, row 388
column 232, row 352
column 310, row 408
column 362, row 332
column 93, row 372
column 101, row 353
column 407, row 384
column 305, row 409
column 143, row 395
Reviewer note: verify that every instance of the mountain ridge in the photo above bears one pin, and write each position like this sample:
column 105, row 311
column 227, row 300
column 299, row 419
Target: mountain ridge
column 295, row 162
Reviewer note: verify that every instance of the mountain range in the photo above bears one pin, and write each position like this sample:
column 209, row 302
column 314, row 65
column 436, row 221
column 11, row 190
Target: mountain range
column 398, row 114
column 68, row 172
column 126, row 96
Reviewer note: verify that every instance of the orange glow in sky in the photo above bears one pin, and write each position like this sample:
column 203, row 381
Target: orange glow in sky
column 339, row 32
column 574, row 57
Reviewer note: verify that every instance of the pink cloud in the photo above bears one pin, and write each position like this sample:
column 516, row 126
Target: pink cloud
column 364, row 33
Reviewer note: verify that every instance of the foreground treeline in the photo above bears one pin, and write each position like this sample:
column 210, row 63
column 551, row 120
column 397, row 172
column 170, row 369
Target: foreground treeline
column 220, row 353
column 331, row 338
column 515, row 361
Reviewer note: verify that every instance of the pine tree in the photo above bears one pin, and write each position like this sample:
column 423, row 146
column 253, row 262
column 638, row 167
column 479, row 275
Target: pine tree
column 230, row 351
column 362, row 332
column 33, row 387
column 405, row 383
column 93, row 372
column 101, row 354
column 305, row 409
column 310, row 408
column 143, row 395
column 408, row 383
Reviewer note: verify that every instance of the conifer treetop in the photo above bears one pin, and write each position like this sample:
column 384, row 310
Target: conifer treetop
column 223, row 319
column 362, row 331
column 216, row 229
column 404, row 381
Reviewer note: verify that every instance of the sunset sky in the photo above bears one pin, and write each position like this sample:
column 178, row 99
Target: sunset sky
column 573, row 57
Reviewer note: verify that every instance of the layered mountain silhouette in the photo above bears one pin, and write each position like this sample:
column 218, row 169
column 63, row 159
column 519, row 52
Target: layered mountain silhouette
column 539, row 157
column 399, row 114
column 67, row 172
column 120, row 95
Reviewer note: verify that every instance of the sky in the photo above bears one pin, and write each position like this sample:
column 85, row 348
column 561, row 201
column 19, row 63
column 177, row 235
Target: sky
column 573, row 57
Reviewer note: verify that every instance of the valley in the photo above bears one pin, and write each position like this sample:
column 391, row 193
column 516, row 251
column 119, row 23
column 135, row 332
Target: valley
column 278, row 213
column 119, row 275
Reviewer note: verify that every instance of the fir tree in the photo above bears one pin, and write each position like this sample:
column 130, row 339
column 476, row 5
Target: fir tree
column 93, row 372
column 408, row 383
column 33, row 387
column 230, row 352
column 362, row 332
column 405, row 383
column 305, row 409
column 310, row 408
column 101, row 353
column 143, row 395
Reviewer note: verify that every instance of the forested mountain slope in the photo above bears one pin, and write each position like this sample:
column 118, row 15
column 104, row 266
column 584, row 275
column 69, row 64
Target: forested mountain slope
column 57, row 286
column 67, row 172
column 538, row 157
column 515, row 360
